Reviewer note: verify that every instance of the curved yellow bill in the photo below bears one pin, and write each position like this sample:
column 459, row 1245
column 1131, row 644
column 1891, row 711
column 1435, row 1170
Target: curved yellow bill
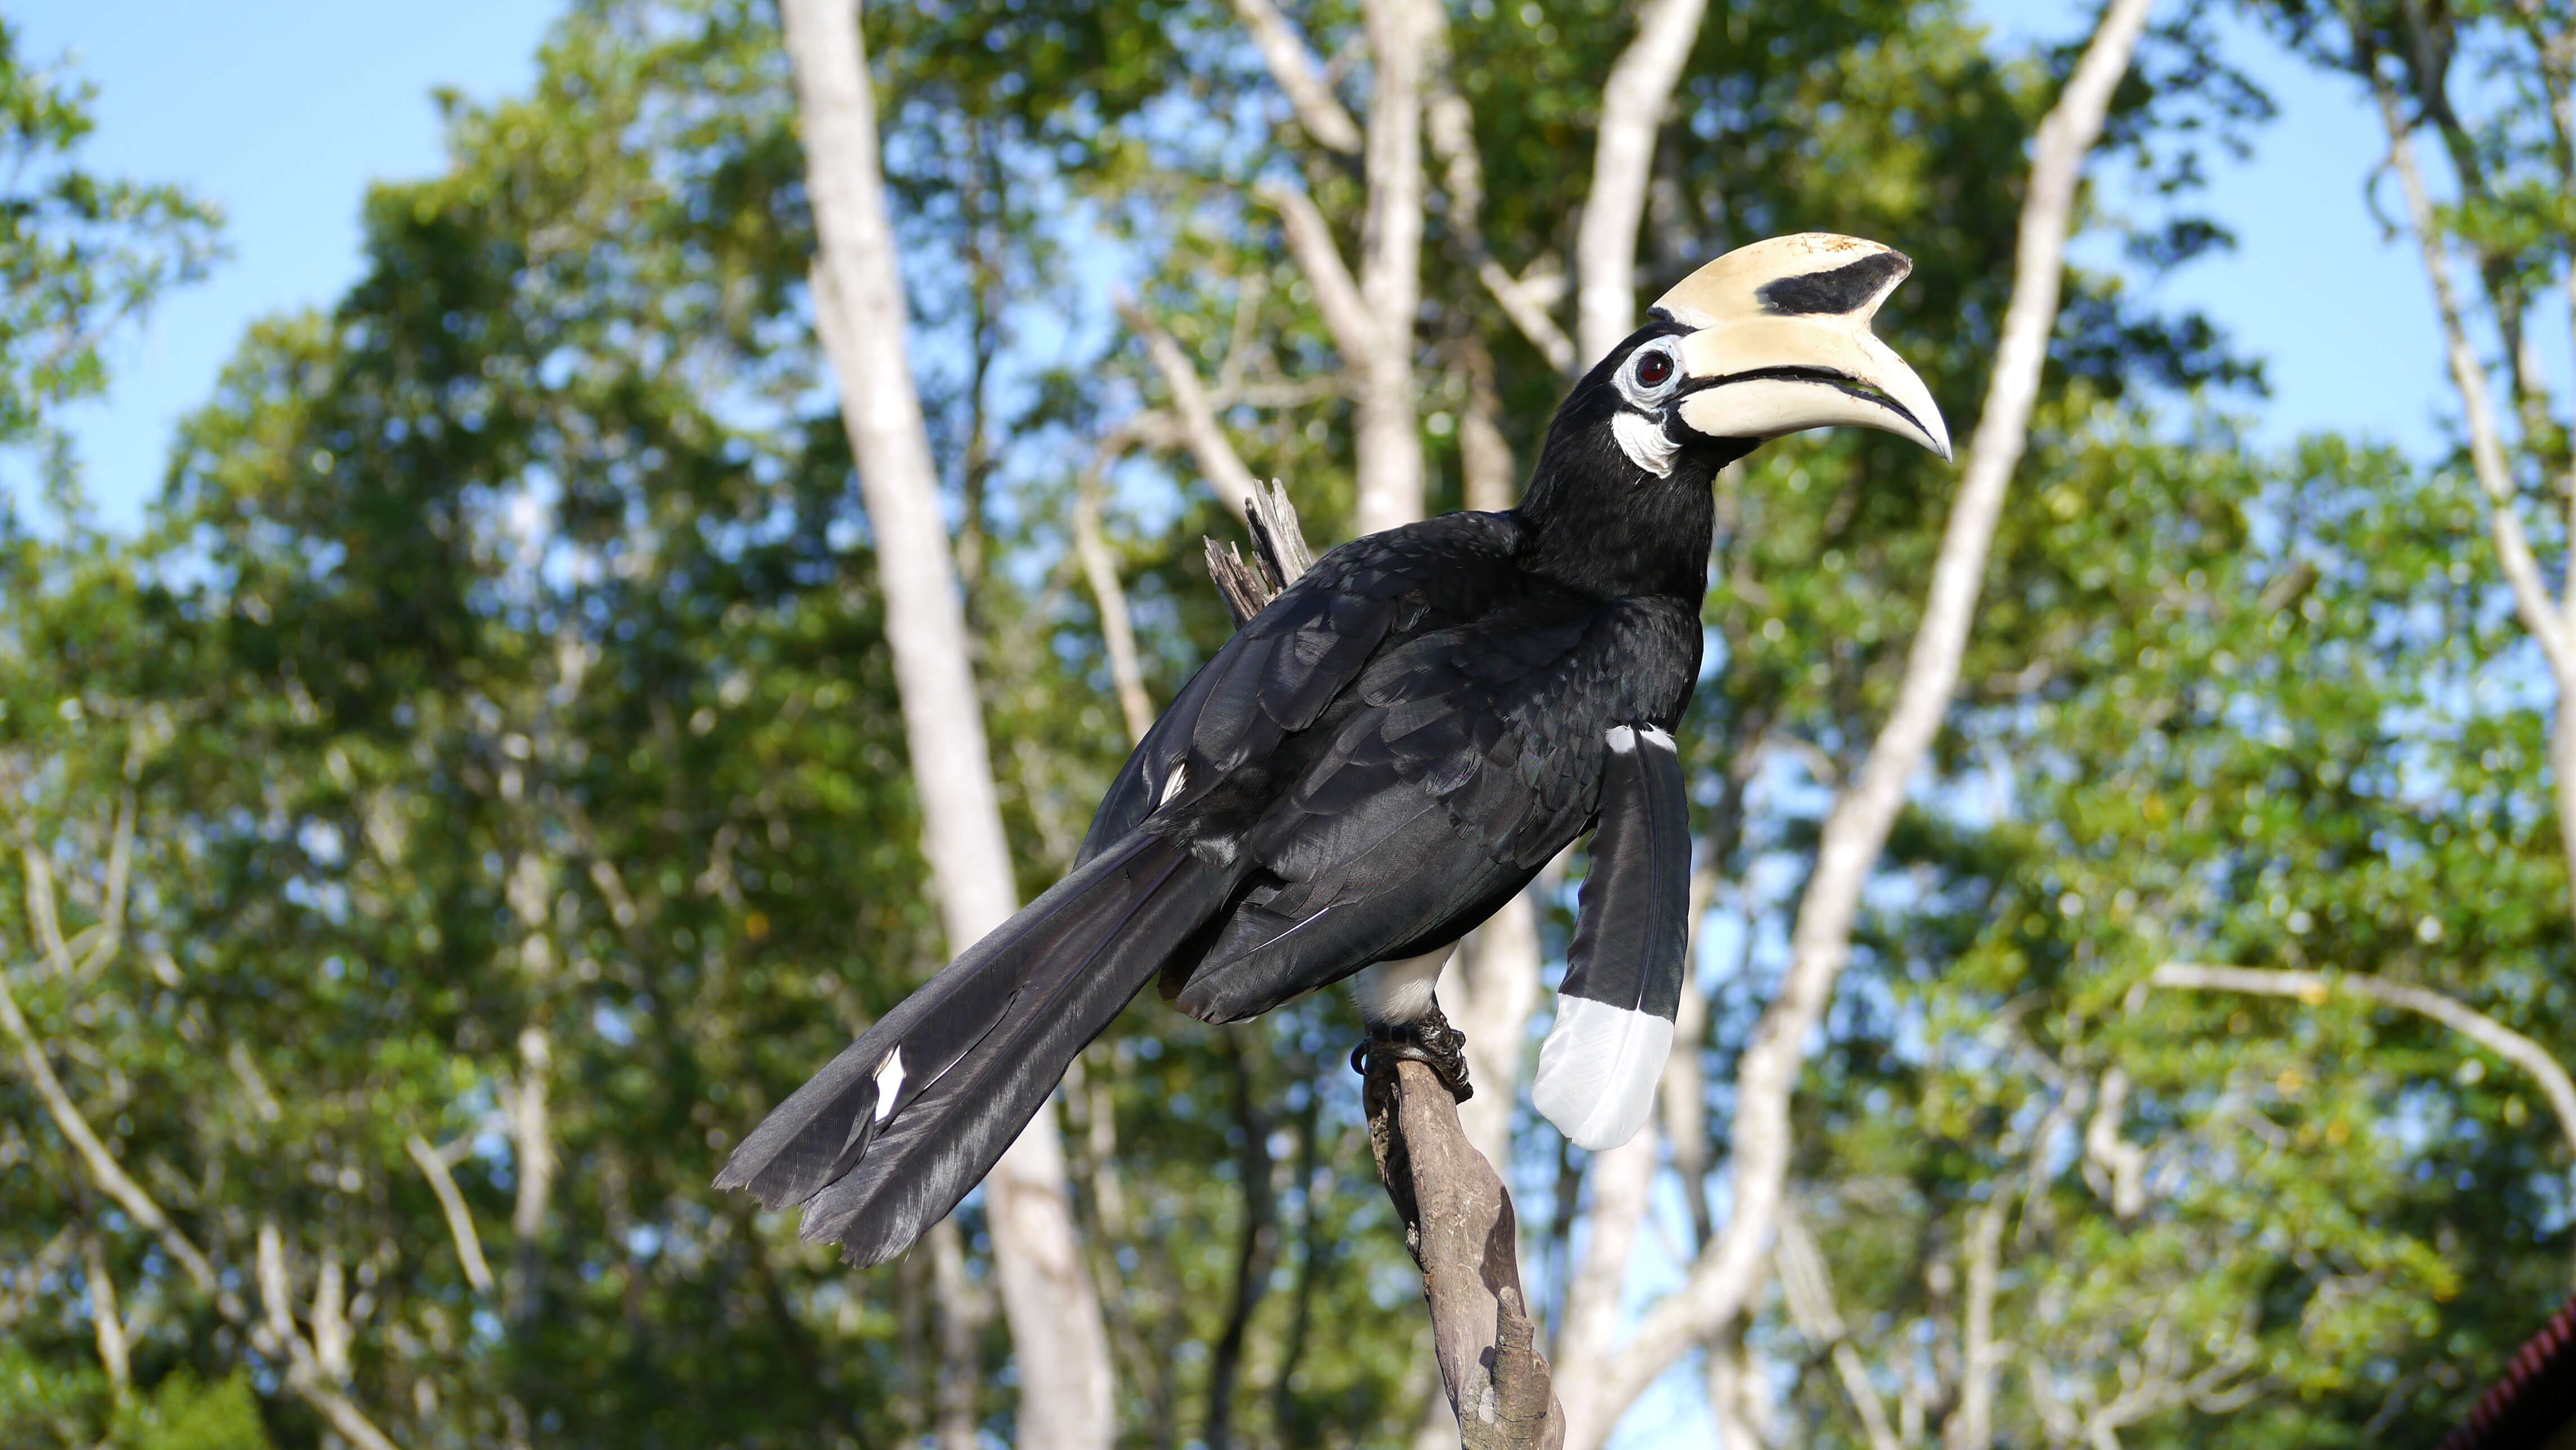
column 1780, row 342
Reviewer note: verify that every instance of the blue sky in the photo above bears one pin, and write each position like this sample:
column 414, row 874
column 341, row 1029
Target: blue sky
column 284, row 111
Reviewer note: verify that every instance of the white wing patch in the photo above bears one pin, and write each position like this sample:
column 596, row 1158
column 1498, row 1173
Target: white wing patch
column 889, row 1083
column 1643, row 440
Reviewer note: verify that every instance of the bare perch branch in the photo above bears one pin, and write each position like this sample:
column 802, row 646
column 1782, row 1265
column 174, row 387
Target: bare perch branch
column 2315, row 987
column 1459, row 1224
column 1723, row 1280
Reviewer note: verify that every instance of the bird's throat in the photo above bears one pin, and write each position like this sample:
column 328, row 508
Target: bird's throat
column 1602, row 524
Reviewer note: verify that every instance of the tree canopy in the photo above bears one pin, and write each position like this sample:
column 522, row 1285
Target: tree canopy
column 478, row 793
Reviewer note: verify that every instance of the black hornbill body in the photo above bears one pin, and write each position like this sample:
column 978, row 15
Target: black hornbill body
column 1381, row 758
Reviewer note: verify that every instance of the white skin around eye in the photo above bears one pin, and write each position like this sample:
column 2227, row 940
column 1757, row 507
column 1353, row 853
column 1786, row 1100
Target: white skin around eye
column 1641, row 432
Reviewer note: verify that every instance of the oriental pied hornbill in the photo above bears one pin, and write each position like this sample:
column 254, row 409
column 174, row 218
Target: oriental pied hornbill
column 1380, row 759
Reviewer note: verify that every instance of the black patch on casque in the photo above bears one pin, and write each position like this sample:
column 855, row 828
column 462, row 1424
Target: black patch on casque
column 1843, row 289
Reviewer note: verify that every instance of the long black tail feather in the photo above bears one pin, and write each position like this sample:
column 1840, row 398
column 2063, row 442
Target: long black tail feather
column 887, row 1138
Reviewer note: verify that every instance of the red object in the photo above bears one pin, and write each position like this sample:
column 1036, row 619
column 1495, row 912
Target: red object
column 2534, row 1401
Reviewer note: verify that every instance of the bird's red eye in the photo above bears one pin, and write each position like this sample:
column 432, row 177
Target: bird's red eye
column 1654, row 369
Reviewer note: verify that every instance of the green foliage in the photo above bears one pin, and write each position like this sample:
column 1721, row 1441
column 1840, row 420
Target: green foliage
column 80, row 253
column 500, row 699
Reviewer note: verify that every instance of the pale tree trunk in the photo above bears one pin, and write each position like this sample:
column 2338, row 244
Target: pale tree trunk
column 1494, row 984
column 532, row 1160
column 961, row 1325
column 1971, row 1425
column 1390, row 439
column 1047, row 1296
column 2552, row 622
column 1370, row 316
column 1621, row 1180
column 1633, row 103
column 1722, row 1282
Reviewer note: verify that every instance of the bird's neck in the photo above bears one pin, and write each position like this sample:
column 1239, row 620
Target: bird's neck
column 1601, row 524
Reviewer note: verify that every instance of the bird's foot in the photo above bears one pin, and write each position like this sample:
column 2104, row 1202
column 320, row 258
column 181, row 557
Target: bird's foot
column 1428, row 1040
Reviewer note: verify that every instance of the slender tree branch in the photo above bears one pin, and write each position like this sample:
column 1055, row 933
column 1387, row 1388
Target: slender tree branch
column 435, row 1167
column 1117, row 626
column 120, row 874
column 1451, row 124
column 2486, row 439
column 1723, row 1280
column 1337, row 294
column 1292, row 67
column 2316, row 987
column 1807, row 1283
column 106, row 1324
column 302, row 1376
column 1526, row 300
column 42, row 918
column 2123, row 1164
column 1194, row 410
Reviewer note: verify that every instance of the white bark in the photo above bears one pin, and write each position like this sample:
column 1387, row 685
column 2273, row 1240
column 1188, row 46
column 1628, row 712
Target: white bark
column 1196, row 411
column 2531, row 596
column 1495, row 986
column 1633, row 102
column 435, row 1167
column 106, row 1323
column 1292, row 66
column 532, row 1163
column 1390, row 439
column 1621, row 1180
column 1109, row 595
column 1722, row 1282
column 1808, row 1285
column 2552, row 621
column 2315, row 987
column 960, row 1327
column 2122, row 1164
column 1971, row 1425
column 1685, row 1089
column 1371, row 314
column 1047, row 1295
